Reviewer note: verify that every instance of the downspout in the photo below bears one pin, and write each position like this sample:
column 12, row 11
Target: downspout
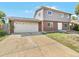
column 42, row 25
column 42, row 21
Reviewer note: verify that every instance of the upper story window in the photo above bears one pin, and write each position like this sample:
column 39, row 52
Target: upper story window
column 61, row 15
column 67, row 16
column 49, row 12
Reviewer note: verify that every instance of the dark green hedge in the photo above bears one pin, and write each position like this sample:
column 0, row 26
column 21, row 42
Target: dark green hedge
column 76, row 27
column 2, row 33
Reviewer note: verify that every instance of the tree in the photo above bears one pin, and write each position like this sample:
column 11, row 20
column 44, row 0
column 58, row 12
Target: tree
column 2, row 15
column 77, row 10
column 74, row 18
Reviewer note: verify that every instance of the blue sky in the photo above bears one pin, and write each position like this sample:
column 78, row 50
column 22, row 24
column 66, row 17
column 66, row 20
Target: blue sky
column 27, row 9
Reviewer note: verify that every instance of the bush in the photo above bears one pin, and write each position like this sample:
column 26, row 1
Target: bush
column 2, row 33
column 76, row 27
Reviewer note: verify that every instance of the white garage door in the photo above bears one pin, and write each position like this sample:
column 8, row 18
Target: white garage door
column 21, row 27
column 59, row 26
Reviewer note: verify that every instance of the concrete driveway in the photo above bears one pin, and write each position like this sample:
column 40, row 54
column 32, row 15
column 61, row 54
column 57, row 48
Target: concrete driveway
column 38, row 45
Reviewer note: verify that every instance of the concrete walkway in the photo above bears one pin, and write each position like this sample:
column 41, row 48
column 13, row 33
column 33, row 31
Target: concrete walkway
column 38, row 45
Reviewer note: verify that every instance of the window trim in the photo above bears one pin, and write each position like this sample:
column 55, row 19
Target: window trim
column 49, row 12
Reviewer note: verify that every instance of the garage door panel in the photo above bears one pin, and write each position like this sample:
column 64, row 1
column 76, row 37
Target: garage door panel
column 20, row 27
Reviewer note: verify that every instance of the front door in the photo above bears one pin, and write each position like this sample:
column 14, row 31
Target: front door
column 59, row 26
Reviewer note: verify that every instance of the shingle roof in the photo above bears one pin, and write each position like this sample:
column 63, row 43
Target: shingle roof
column 22, row 18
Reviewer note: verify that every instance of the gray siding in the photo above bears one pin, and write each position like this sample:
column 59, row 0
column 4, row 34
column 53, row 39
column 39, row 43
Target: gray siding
column 56, row 16
column 40, row 17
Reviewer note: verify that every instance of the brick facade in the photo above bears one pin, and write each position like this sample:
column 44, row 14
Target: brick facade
column 54, row 26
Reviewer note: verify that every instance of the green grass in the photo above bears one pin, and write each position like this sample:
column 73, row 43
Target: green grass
column 68, row 40
column 3, row 34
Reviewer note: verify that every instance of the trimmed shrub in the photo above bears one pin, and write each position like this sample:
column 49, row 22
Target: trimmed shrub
column 2, row 33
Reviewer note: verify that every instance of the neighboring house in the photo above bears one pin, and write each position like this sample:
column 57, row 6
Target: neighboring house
column 45, row 20
column 4, row 26
column 73, row 23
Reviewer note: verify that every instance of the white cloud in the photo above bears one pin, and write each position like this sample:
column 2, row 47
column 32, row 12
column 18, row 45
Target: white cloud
column 28, row 11
column 32, row 11
column 53, row 7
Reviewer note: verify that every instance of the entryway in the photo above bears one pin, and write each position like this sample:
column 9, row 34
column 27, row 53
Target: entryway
column 59, row 26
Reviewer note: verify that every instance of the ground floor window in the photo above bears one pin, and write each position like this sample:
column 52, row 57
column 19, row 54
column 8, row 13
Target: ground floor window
column 65, row 24
column 50, row 24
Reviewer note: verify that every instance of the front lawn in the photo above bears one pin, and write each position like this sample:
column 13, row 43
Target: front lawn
column 68, row 40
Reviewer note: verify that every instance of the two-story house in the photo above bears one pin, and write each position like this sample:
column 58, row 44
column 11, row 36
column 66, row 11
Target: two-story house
column 45, row 20
column 52, row 20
